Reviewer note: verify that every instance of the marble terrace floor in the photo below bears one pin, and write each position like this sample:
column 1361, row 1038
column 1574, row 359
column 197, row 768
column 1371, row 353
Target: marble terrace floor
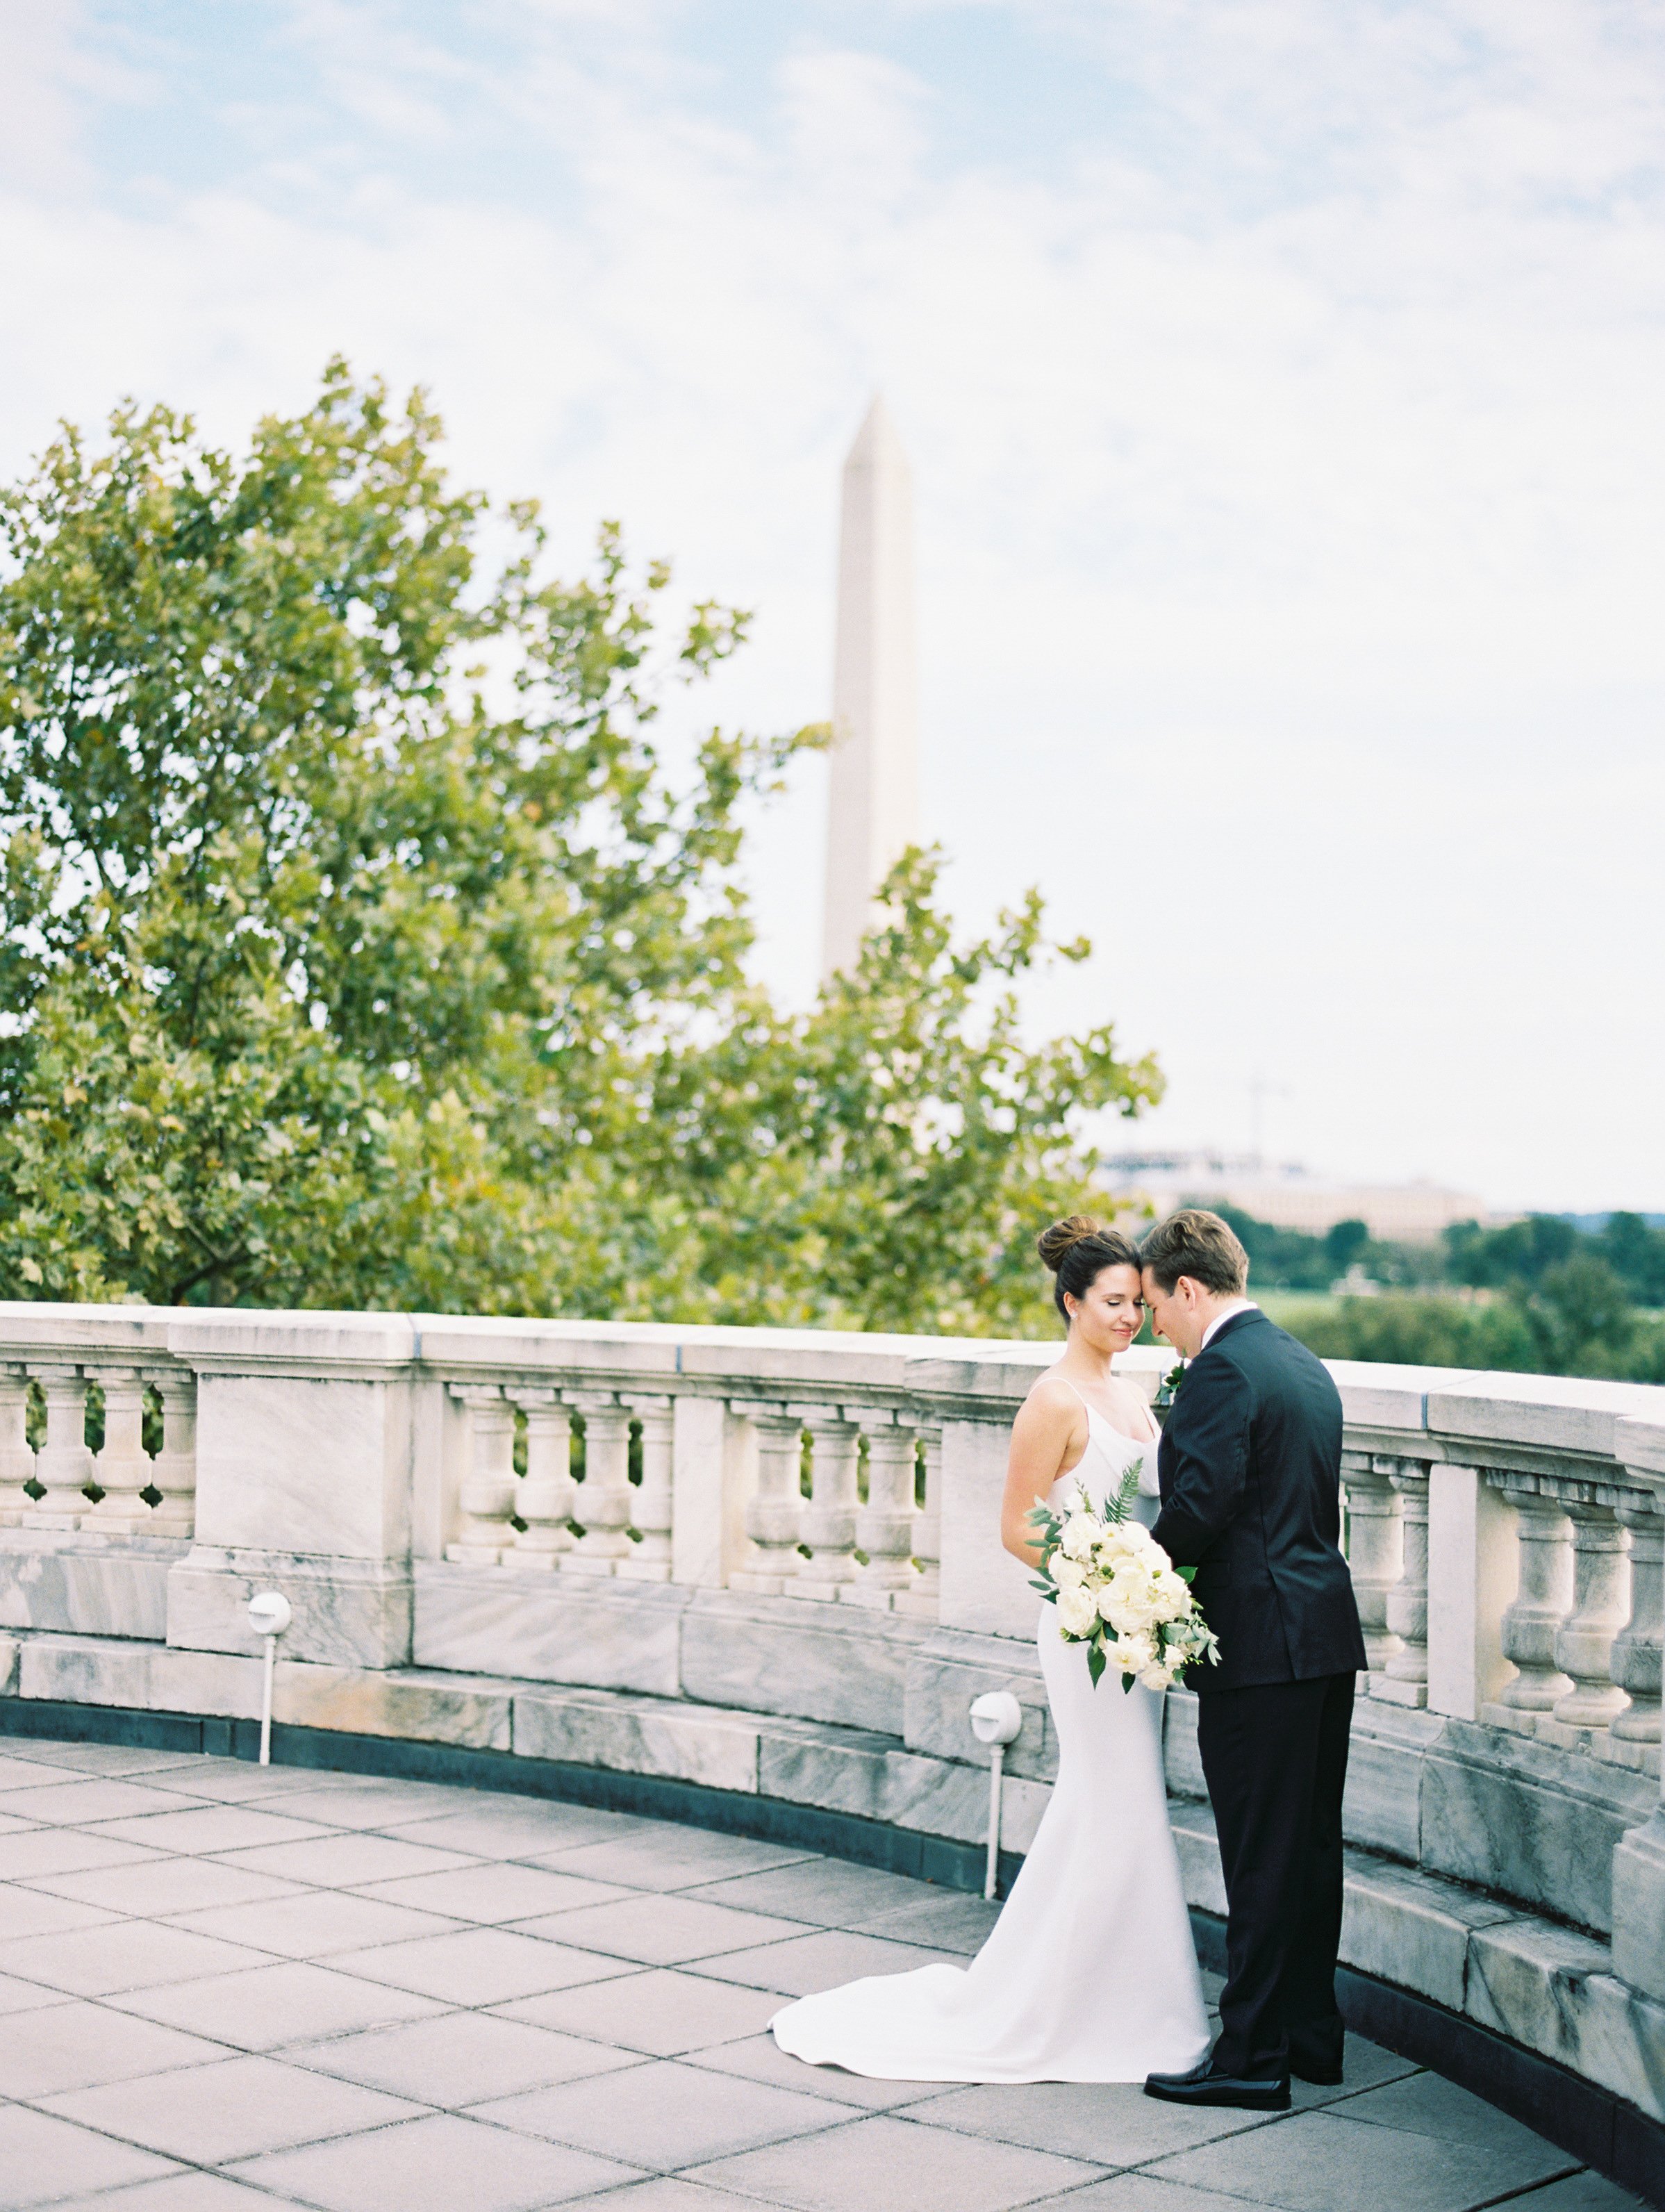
column 223, row 1988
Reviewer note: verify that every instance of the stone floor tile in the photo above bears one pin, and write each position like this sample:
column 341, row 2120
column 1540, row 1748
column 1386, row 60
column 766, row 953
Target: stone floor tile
column 43, row 2159
column 1365, row 2066
column 1111, row 2123
column 1141, row 2192
column 175, row 2192
column 361, row 1802
column 662, row 2115
column 945, row 1921
column 667, row 1931
column 1580, row 2192
column 666, row 2194
column 308, row 1923
column 526, row 1828
column 233, row 2109
column 1322, row 2162
column 667, row 1858
column 64, row 1850
column 880, row 2164
column 460, row 2058
column 122, row 1954
column 34, row 1913
column 477, row 1966
column 444, row 2163
column 663, row 2014
column 826, row 1893
column 13, row 1824
column 802, row 1964
column 19, row 1996
column 760, row 2059
column 271, row 2005
column 1429, row 2105
column 347, row 1862
column 79, row 1801
column 153, row 1887
column 509, row 1890
column 79, row 2045
column 107, row 1758
column 19, row 1772
column 206, row 1828
column 241, row 1781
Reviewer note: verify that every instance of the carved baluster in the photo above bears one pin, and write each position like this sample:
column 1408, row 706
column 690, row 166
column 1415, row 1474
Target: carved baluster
column 122, row 1468
column 606, row 1497
column 1376, row 1553
column 1404, row 1679
column 1541, row 1603
column 64, row 1464
column 774, row 1512
column 486, row 1496
column 17, row 1459
column 885, row 1525
column 927, row 1528
column 174, row 1470
column 1634, row 1737
column 548, row 1496
column 1583, row 1643
column 828, row 1525
column 649, row 1561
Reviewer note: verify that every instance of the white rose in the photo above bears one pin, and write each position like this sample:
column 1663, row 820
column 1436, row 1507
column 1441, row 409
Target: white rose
column 1079, row 1531
column 1077, row 1613
column 1157, row 1678
column 1067, row 1573
column 1135, row 1654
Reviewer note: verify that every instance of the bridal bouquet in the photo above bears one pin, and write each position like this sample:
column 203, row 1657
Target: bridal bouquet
column 1117, row 1591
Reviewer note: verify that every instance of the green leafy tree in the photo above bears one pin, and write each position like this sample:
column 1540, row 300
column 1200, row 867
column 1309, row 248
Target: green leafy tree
column 361, row 946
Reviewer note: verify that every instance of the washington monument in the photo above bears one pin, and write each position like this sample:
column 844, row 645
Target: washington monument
column 873, row 813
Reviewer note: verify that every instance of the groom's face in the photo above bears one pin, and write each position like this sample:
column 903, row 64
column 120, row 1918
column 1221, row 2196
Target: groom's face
column 1173, row 1315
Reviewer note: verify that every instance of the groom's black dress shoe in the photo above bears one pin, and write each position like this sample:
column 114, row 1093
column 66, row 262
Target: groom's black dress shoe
column 1203, row 2086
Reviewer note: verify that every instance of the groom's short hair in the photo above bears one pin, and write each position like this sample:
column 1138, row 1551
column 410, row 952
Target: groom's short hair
column 1200, row 1245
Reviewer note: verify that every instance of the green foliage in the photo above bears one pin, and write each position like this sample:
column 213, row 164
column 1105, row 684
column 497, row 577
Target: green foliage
column 361, row 948
column 1576, row 1321
column 1524, row 1252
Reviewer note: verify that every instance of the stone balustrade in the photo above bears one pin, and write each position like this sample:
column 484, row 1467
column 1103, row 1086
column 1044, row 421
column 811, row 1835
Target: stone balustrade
column 766, row 1562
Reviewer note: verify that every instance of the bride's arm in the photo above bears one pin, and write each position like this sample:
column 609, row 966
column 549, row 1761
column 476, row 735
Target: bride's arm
column 1043, row 1444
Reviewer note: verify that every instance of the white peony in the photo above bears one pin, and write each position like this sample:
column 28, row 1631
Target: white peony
column 1079, row 1532
column 1135, row 1654
column 1157, row 1678
column 1077, row 1613
column 1067, row 1573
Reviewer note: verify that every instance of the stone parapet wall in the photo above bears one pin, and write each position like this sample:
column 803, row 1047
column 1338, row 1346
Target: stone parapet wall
column 765, row 1563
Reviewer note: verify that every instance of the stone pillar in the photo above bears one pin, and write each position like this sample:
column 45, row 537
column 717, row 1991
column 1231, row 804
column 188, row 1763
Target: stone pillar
column 714, row 1475
column 64, row 1465
column 1472, row 1571
column 885, row 1525
column 775, row 1513
column 1404, row 1679
column 1583, row 1643
column 1638, row 1858
column 649, row 1561
column 828, row 1530
column 1376, row 1551
column 548, row 1494
column 485, row 1498
column 1541, row 1603
column 927, row 1528
column 122, row 1468
column 17, row 1459
column 1633, row 1739
column 606, row 1497
column 174, row 1470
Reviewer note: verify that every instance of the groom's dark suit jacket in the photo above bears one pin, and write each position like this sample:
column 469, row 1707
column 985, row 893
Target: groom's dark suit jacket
column 1251, row 1471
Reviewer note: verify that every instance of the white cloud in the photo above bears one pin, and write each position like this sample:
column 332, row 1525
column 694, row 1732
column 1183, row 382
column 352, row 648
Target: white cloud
column 1288, row 457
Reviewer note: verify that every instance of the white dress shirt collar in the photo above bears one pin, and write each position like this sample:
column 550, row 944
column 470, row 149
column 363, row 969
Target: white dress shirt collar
column 1237, row 1306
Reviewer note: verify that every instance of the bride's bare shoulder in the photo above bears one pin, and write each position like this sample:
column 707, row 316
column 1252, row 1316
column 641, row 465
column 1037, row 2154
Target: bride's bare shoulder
column 1050, row 1396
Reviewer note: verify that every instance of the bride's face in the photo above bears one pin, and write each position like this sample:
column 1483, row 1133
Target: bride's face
column 1110, row 1315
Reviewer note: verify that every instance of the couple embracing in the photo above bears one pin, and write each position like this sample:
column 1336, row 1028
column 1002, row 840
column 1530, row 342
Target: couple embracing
column 1089, row 1974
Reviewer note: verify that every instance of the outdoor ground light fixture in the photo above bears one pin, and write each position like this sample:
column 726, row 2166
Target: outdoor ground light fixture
column 996, row 1717
column 269, row 1614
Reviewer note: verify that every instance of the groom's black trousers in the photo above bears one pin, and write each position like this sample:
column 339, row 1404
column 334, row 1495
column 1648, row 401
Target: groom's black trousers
column 1275, row 1760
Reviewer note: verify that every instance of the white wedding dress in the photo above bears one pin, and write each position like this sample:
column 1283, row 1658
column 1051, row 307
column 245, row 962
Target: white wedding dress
column 1089, row 1973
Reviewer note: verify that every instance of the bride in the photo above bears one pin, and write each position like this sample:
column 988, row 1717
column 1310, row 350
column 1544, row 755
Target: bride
column 1089, row 1973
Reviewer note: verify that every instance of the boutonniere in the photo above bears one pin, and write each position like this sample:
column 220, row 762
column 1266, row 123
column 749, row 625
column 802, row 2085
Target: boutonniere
column 1168, row 1389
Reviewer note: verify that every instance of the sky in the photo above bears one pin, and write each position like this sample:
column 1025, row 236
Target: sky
column 1282, row 384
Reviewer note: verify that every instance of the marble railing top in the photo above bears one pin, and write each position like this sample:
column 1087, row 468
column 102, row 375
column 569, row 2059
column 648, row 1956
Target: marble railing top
column 1438, row 1413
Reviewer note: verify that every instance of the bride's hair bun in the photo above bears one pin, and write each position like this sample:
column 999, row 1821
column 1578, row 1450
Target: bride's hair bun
column 1054, row 1244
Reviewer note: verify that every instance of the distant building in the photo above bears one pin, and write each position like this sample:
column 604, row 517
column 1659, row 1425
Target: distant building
column 1289, row 1197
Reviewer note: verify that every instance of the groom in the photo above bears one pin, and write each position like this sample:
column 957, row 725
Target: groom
column 1249, row 1469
